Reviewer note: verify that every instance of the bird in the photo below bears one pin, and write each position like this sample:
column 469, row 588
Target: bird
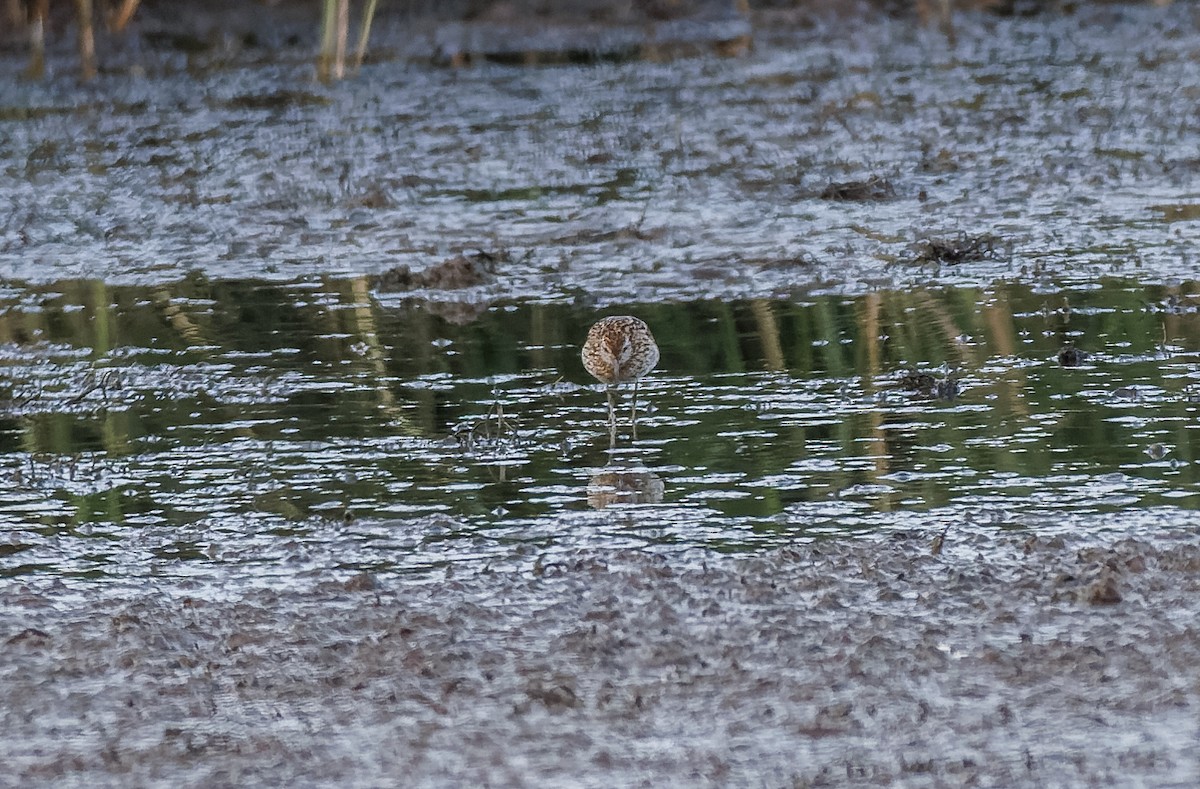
column 619, row 349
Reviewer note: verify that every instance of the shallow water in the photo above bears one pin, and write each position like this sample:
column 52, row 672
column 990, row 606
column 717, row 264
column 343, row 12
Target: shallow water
column 235, row 422
column 271, row 402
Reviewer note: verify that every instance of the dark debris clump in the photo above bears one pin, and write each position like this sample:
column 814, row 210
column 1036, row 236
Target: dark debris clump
column 799, row 260
column 874, row 188
column 930, row 386
column 962, row 248
column 460, row 271
column 1070, row 356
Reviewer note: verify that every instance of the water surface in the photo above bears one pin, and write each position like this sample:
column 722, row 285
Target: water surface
column 205, row 421
column 272, row 409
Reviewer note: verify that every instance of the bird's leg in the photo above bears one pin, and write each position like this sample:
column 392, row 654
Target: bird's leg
column 633, row 410
column 612, row 419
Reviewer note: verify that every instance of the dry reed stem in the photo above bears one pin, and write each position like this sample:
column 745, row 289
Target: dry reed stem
column 335, row 35
column 120, row 18
column 87, row 40
column 343, row 33
column 325, row 56
column 37, row 40
column 364, row 33
column 945, row 14
column 335, row 24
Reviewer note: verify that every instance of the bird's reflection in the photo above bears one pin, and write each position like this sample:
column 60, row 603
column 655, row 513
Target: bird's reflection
column 624, row 486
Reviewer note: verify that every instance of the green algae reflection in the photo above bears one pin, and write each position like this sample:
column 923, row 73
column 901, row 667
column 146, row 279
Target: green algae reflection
column 257, row 402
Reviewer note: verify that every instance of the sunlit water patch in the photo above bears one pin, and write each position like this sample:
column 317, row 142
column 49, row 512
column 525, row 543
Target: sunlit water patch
column 144, row 430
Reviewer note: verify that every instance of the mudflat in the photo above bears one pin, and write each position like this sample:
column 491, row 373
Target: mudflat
column 1000, row 660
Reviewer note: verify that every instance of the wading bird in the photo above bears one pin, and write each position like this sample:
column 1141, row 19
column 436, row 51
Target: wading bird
column 619, row 349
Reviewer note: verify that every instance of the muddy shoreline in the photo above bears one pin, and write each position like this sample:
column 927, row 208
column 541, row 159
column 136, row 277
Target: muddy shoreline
column 1003, row 660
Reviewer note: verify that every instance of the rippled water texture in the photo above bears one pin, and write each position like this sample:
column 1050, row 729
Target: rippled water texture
column 827, row 364
column 207, row 420
column 1073, row 139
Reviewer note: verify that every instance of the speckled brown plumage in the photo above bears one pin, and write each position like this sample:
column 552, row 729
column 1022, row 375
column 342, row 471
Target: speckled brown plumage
column 620, row 349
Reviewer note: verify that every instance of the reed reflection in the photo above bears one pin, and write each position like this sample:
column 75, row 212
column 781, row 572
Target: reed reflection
column 292, row 387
